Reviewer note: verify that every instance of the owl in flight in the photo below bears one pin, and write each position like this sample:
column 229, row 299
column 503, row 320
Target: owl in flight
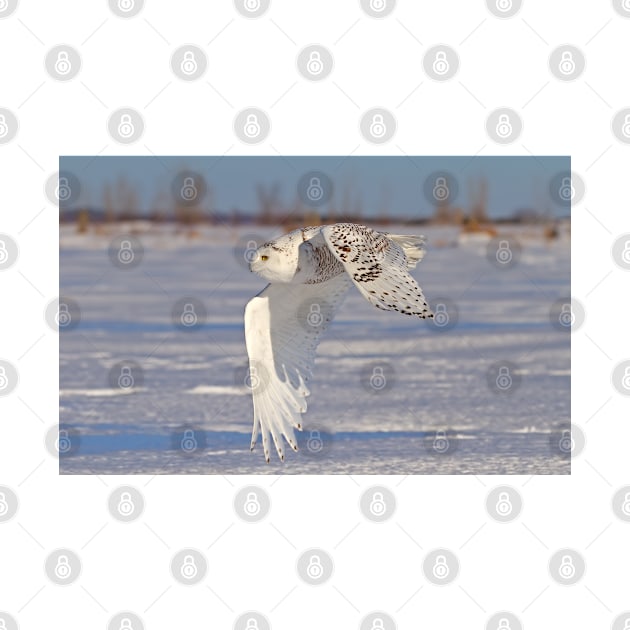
column 310, row 271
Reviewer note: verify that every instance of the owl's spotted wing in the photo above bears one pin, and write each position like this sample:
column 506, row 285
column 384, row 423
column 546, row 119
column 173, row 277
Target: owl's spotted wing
column 377, row 263
column 283, row 326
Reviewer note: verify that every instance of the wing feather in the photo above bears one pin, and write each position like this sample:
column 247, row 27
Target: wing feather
column 378, row 266
column 283, row 326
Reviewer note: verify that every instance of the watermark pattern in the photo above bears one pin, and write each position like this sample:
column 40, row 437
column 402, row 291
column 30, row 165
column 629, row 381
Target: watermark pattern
column 126, row 504
column 189, row 567
column 378, row 125
column 315, row 62
column 567, row 314
column 63, row 566
column 9, row 252
column 378, row 504
column 567, row 567
column 504, row 504
column 252, row 125
column 189, row 62
column 252, row 504
column 9, row 377
column 440, row 566
column 504, row 125
column 63, row 62
column 9, row 504
column 315, row 566
column 441, row 62
column 189, row 440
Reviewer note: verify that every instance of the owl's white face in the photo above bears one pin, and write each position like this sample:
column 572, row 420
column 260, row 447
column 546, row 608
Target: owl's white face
column 273, row 264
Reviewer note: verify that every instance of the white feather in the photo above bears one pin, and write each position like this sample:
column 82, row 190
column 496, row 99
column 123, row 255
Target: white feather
column 315, row 266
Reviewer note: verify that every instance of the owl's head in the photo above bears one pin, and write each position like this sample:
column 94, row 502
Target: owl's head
column 273, row 263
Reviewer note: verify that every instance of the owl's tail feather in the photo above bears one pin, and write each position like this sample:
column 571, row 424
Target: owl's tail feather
column 413, row 246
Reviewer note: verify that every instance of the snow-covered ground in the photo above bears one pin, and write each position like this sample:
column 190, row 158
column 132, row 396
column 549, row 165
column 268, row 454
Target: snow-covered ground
column 440, row 390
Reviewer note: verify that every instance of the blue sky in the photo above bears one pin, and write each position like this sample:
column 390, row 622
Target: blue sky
column 398, row 182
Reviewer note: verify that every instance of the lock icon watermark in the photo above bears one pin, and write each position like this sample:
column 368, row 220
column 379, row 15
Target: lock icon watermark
column 504, row 126
column 315, row 444
column 625, row 381
column 566, row 444
column 378, row 129
column 625, row 506
column 567, row 568
column 315, row 317
column 315, row 191
column 625, row 128
column 189, row 568
column 441, row 569
column 250, row 251
column 125, row 379
column 378, row 5
column 315, row 570
column 251, row 5
column 566, row 191
column 125, row 253
column 189, row 190
column 252, row 126
column 314, row 64
column 125, row 624
column 63, row 66
column 504, row 253
column 567, row 63
column 566, row 316
column 504, row 506
column 63, row 570
column 188, row 317
column 126, row 128
column 63, row 443
column 625, row 254
column 126, row 5
column 378, row 507
column 252, row 379
column 4, row 509
column 440, row 566
column 252, row 624
column 189, row 64
column 4, row 254
column 252, row 505
column 504, row 624
column 440, row 189
column 440, row 315
column 378, row 381
column 440, row 63
column 378, row 624
column 504, row 379
column 63, row 317
column 504, row 5
column 441, row 442
column 4, row 128
column 63, row 192
column 189, row 441
column 126, row 506
column 315, row 566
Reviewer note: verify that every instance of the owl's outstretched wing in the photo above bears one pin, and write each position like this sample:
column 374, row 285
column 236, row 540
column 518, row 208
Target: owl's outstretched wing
column 283, row 326
column 377, row 263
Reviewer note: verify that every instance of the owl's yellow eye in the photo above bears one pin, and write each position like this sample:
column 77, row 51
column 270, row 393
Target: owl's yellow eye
column 264, row 257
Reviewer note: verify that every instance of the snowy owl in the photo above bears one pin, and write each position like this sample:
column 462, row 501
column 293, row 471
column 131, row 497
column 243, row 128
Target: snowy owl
column 310, row 271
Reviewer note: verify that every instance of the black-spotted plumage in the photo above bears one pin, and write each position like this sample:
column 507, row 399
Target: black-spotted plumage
column 313, row 267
